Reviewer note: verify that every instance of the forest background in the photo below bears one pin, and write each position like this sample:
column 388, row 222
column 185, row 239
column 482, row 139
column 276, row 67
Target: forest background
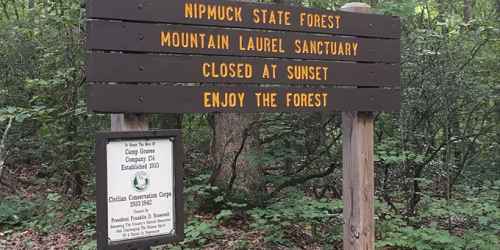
column 264, row 181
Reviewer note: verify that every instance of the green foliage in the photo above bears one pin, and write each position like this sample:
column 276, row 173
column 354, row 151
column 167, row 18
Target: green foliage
column 242, row 245
column 47, row 214
column 203, row 196
column 422, row 239
column 470, row 222
column 83, row 215
column 198, row 232
column 14, row 211
column 296, row 210
column 90, row 245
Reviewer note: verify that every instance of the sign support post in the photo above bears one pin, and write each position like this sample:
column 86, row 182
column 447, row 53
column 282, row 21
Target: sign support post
column 358, row 171
column 358, row 180
column 129, row 122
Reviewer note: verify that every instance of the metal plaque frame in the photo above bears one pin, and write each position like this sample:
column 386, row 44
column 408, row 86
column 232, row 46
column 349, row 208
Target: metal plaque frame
column 103, row 138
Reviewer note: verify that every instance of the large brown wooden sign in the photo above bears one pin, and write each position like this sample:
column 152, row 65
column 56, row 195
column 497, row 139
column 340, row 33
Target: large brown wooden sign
column 139, row 46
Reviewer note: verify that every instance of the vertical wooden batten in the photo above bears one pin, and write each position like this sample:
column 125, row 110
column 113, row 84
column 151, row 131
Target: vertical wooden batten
column 358, row 180
column 129, row 122
column 358, row 171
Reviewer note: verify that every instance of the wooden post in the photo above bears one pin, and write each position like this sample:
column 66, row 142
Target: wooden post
column 129, row 122
column 358, row 171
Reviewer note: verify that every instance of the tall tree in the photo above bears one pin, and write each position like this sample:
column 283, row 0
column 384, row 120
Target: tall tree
column 498, row 8
column 468, row 10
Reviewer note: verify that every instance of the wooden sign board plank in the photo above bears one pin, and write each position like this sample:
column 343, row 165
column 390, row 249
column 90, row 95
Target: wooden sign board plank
column 139, row 189
column 238, row 99
column 246, row 15
column 167, row 38
column 133, row 68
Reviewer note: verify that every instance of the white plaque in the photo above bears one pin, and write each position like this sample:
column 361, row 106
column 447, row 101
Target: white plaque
column 140, row 189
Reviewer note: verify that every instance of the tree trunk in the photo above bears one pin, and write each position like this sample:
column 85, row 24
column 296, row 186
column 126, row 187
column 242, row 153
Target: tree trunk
column 234, row 149
column 468, row 8
column 3, row 154
column 442, row 13
column 498, row 8
column 234, row 143
column 441, row 10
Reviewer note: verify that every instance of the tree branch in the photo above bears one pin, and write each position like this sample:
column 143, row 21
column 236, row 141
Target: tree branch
column 2, row 145
column 303, row 179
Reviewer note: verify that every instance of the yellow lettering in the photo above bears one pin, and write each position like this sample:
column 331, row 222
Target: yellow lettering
column 188, row 10
column 256, row 17
column 306, row 100
column 251, row 44
column 355, row 48
column 241, row 97
column 237, row 15
column 202, row 9
column 288, row 99
column 224, row 100
column 273, row 17
column 224, row 42
column 347, row 49
column 194, row 40
column 227, row 70
column 302, row 18
column 261, row 44
column 215, row 99
column 297, row 47
column 320, row 21
column 273, row 103
column 257, row 95
column 214, row 12
column 230, row 14
column 267, row 100
column 306, row 72
column 287, row 18
column 340, row 50
column 206, row 70
column 265, row 72
column 331, row 22
column 206, row 96
column 165, row 39
column 274, row 66
column 242, row 48
column 202, row 39
column 211, row 42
